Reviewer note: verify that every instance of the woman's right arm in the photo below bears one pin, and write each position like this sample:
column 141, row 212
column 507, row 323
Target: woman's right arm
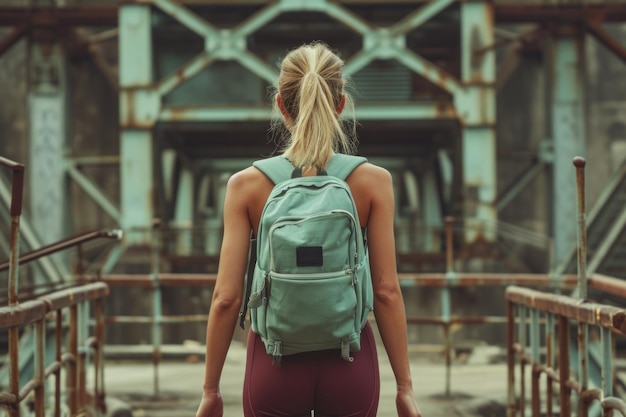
column 226, row 299
column 388, row 301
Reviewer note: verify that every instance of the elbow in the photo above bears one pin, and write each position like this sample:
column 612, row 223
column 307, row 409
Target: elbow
column 225, row 304
column 388, row 296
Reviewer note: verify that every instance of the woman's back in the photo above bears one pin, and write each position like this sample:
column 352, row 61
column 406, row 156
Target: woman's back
column 366, row 183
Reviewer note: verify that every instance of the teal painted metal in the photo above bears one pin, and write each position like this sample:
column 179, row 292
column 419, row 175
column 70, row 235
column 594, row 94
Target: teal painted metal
column 568, row 132
column 528, row 176
column 93, row 191
column 420, row 16
column 184, row 212
column 174, row 113
column 184, row 73
column 142, row 100
column 137, row 183
column 606, row 339
column 157, row 310
column 475, row 106
column 479, row 178
column 48, row 141
column 189, row 19
column 431, row 210
column 230, row 44
column 139, row 107
column 609, row 240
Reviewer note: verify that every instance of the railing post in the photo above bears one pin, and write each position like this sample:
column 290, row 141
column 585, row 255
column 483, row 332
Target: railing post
column 565, row 390
column 17, row 188
column 99, row 393
column 535, row 371
column 583, row 336
column 510, row 357
column 157, row 313
column 550, row 354
column 81, row 358
column 59, row 357
column 40, row 367
column 445, row 302
column 72, row 368
column 579, row 163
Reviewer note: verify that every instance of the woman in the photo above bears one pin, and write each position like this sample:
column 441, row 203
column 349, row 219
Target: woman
column 310, row 97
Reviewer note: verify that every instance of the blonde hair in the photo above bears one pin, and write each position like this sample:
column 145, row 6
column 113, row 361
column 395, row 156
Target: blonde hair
column 311, row 87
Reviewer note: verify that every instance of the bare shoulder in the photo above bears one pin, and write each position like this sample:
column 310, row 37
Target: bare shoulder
column 369, row 176
column 248, row 179
column 249, row 188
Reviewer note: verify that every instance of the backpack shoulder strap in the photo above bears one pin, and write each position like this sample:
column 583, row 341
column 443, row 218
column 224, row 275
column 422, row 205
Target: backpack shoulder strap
column 341, row 165
column 279, row 169
column 276, row 168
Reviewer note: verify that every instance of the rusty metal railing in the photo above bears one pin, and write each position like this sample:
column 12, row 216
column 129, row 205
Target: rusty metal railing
column 50, row 310
column 69, row 309
column 528, row 310
column 156, row 282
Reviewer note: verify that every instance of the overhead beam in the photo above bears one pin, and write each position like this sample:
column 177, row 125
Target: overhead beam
column 608, row 41
column 12, row 38
column 64, row 17
column 582, row 12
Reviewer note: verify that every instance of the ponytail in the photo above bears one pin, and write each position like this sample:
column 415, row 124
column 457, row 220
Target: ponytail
column 311, row 89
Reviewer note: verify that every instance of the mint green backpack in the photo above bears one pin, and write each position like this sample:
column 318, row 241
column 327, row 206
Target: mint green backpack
column 311, row 287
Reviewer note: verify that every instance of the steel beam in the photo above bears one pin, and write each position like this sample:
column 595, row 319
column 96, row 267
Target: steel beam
column 139, row 107
column 60, row 16
column 475, row 105
column 72, row 16
column 568, row 132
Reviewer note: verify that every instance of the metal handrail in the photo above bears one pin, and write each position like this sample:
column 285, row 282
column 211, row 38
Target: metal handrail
column 36, row 313
column 64, row 244
column 74, row 358
column 557, row 312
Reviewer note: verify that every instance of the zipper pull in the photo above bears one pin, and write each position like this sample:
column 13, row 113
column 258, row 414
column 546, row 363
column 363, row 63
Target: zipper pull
column 353, row 273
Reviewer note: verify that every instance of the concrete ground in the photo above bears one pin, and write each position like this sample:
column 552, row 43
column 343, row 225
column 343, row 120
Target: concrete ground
column 477, row 385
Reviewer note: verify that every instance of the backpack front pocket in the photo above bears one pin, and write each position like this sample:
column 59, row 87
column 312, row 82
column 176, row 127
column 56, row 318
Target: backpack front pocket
column 311, row 309
column 319, row 243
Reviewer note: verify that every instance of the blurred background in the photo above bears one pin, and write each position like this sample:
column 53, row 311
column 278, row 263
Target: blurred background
column 132, row 115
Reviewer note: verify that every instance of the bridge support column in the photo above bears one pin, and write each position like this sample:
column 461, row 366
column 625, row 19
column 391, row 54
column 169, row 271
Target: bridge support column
column 566, row 60
column 477, row 111
column 139, row 107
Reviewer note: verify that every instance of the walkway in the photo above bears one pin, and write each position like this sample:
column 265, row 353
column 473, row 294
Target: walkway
column 475, row 384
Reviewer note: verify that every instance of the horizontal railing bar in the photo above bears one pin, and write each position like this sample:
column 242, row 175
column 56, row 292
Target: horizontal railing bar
column 456, row 320
column 33, row 310
column 62, row 245
column 428, row 279
column 151, row 320
column 589, row 313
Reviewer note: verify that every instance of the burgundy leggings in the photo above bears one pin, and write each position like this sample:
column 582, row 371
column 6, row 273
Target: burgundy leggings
column 321, row 381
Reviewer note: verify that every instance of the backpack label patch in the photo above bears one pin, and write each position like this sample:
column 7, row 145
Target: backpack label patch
column 309, row 256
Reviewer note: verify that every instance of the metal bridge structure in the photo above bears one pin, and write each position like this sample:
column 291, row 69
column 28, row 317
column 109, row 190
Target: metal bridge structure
column 181, row 99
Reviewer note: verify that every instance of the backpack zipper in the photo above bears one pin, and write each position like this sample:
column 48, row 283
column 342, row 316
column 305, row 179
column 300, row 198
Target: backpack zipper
column 320, row 275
